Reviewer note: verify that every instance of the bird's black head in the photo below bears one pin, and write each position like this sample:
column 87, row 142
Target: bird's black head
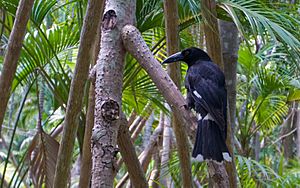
column 190, row 56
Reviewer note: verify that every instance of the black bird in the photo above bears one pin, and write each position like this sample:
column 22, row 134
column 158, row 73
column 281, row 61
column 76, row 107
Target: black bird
column 206, row 94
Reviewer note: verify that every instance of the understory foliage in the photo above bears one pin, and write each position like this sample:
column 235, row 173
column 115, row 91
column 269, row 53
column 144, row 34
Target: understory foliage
column 268, row 87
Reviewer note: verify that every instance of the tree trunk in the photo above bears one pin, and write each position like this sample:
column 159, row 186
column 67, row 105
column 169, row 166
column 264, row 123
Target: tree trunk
column 145, row 156
column 74, row 105
column 135, row 122
column 147, row 130
column 109, row 77
column 257, row 146
column 86, row 163
column 217, row 172
column 132, row 117
column 135, row 171
column 230, row 47
column 12, row 55
column 287, row 141
column 165, row 153
column 211, row 31
column 172, row 36
column 133, row 130
column 154, row 176
column 75, row 171
column 138, row 129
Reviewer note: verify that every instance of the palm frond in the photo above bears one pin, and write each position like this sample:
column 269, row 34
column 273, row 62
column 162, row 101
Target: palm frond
column 268, row 23
column 254, row 174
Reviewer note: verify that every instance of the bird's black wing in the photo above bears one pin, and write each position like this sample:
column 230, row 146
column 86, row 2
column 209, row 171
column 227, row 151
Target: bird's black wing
column 206, row 92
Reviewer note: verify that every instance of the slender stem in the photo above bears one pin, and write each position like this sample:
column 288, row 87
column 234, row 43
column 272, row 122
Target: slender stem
column 14, row 131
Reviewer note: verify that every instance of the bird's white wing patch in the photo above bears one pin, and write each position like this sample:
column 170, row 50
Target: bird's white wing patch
column 197, row 94
column 199, row 117
column 208, row 117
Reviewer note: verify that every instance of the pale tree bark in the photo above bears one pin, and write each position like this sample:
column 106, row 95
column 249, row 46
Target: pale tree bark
column 135, row 171
column 12, row 55
column 147, row 130
column 75, row 171
column 135, row 124
column 109, row 77
column 74, row 105
column 230, row 47
column 154, row 176
column 138, row 129
column 165, row 153
column 172, row 36
column 86, row 163
column 137, row 121
column 133, row 40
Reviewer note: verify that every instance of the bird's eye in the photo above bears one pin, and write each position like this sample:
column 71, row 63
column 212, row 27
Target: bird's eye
column 186, row 53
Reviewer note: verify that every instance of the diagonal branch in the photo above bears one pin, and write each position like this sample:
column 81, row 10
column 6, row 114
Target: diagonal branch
column 128, row 153
column 145, row 156
column 135, row 44
column 133, row 40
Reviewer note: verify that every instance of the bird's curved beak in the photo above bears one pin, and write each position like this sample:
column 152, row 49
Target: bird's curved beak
column 173, row 58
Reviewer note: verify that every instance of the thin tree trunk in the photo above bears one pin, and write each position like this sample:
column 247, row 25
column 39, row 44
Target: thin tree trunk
column 11, row 109
column 217, row 172
column 75, row 171
column 132, row 117
column 165, row 153
column 145, row 156
column 154, row 177
column 147, row 130
column 230, row 47
column 129, row 156
column 74, row 105
column 172, row 35
column 287, row 141
column 211, row 31
column 135, row 131
column 13, row 53
column 86, row 163
column 135, row 124
column 138, row 129
column 109, row 77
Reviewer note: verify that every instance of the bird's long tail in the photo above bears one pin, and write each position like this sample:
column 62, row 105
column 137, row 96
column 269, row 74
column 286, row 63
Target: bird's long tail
column 210, row 144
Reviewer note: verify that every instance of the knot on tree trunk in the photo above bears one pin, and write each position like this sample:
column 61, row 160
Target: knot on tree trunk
column 110, row 110
column 109, row 20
